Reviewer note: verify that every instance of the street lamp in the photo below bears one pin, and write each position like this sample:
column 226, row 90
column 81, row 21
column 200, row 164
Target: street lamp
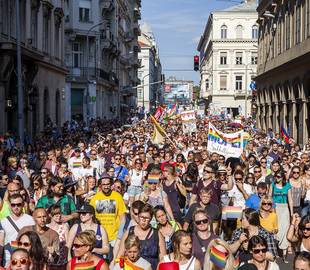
column 143, row 89
column 87, row 70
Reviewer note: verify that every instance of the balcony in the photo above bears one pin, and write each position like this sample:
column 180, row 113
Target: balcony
column 241, row 93
column 107, row 39
column 107, row 6
column 80, row 74
column 136, row 29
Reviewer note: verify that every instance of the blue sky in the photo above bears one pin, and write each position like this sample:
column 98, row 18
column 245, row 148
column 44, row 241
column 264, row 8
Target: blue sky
column 177, row 26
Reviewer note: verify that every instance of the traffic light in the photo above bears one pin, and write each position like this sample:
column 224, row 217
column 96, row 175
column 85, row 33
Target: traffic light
column 196, row 62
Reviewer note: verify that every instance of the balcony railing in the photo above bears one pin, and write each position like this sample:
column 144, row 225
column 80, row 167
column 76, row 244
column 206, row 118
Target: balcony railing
column 80, row 73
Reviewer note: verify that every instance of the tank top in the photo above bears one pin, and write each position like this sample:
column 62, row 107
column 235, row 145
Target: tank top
column 190, row 265
column 296, row 196
column 149, row 247
column 98, row 236
column 302, row 247
column 173, row 195
column 136, row 177
column 74, row 265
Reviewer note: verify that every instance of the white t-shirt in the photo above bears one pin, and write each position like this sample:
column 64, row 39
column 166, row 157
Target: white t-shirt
column 136, row 177
column 10, row 234
column 237, row 195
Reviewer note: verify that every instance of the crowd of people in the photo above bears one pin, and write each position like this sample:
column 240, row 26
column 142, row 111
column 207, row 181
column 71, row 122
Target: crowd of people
column 107, row 197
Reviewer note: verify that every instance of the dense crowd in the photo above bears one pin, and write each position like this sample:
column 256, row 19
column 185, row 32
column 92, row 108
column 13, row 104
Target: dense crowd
column 107, row 197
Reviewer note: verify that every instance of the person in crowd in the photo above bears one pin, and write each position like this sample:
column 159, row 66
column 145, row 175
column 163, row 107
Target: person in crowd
column 120, row 171
column 165, row 226
column 281, row 194
column 299, row 232
column 302, row 261
column 20, row 260
column 267, row 217
column 201, row 235
column 109, row 208
column 258, row 248
column 136, row 180
column 305, row 178
column 88, row 222
column 25, row 172
column 275, row 167
column 152, row 242
column 36, row 189
column 12, row 189
column 182, row 252
column 132, row 255
column 83, row 245
column 218, row 256
column 4, row 181
column 12, row 224
column 250, row 226
column 297, row 189
column 31, row 242
column 254, row 200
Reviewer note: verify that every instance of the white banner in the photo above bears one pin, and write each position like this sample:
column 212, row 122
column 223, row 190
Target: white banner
column 188, row 121
column 226, row 144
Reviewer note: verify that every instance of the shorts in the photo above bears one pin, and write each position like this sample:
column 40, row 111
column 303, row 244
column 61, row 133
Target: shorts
column 133, row 191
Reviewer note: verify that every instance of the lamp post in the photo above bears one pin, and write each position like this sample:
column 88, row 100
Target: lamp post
column 20, row 94
column 87, row 71
column 143, row 89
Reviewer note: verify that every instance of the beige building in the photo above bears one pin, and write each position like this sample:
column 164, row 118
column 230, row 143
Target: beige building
column 228, row 58
column 43, row 69
column 283, row 81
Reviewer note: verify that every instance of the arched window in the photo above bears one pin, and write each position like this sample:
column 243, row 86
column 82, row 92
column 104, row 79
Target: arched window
column 239, row 30
column 223, row 32
column 254, row 32
column 57, row 109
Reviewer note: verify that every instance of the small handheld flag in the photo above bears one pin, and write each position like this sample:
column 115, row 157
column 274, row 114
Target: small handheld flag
column 284, row 135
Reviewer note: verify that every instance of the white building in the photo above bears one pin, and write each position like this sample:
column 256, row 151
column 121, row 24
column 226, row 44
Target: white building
column 228, row 55
column 150, row 94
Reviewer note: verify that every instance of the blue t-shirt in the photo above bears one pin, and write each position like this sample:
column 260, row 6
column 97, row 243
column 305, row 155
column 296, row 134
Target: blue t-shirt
column 120, row 172
column 253, row 201
column 279, row 195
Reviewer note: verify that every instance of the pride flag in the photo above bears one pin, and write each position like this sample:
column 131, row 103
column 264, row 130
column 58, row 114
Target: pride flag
column 127, row 265
column 218, row 257
column 14, row 245
column 84, row 266
column 284, row 135
column 233, row 212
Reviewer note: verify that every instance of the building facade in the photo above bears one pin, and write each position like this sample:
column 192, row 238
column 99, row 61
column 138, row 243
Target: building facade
column 43, row 68
column 178, row 91
column 228, row 58
column 283, row 80
column 150, row 94
column 101, row 80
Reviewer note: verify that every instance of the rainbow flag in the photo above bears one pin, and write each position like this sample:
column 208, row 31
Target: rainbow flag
column 84, row 266
column 77, row 164
column 233, row 212
column 284, row 135
column 245, row 138
column 127, row 265
column 218, row 257
column 153, row 178
column 14, row 245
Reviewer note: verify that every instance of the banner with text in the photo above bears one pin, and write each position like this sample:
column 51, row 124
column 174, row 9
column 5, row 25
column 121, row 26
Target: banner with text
column 188, row 121
column 226, row 144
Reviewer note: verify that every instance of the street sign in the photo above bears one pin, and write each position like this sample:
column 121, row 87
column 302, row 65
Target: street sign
column 253, row 85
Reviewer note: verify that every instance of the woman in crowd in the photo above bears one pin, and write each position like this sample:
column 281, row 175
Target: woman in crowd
column 136, row 180
column 36, row 190
column 154, row 195
column 175, row 191
column 267, row 217
column 83, row 246
column 20, row 260
column 132, row 255
column 202, row 235
column 31, row 242
column 165, row 226
column 299, row 232
column 305, row 178
column 152, row 242
column 281, row 193
column 250, row 226
column 218, row 256
column 88, row 222
column 250, row 179
column 180, row 167
column 258, row 249
column 190, row 177
column 182, row 252
column 297, row 188
column 302, row 261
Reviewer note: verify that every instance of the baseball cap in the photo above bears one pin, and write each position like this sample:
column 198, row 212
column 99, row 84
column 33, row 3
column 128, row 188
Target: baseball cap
column 86, row 208
column 105, row 176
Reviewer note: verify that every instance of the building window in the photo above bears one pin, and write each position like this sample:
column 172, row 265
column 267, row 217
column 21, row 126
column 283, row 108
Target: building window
column 308, row 17
column 254, row 32
column 239, row 30
column 76, row 55
column 223, row 58
column 84, row 10
column 140, row 93
column 57, row 28
column 207, row 84
column 287, row 30
column 297, row 23
column 238, row 58
column 279, row 36
column 46, row 33
column 223, row 82
column 34, row 26
column 223, row 32
column 254, row 58
column 239, row 83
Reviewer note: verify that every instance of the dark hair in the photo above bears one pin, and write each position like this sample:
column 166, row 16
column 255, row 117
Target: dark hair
column 53, row 182
column 159, row 208
column 36, row 252
column 52, row 209
column 257, row 240
column 15, row 196
column 182, row 157
column 176, row 240
column 137, row 204
column 302, row 256
column 192, row 171
column 282, row 175
column 305, row 220
column 252, row 216
column 36, row 178
column 262, row 185
column 146, row 208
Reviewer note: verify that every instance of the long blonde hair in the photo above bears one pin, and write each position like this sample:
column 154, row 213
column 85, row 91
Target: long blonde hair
column 208, row 265
column 263, row 199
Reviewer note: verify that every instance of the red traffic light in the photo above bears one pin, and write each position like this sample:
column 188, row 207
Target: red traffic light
column 196, row 58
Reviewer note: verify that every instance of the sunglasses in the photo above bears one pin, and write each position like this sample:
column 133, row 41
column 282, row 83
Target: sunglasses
column 203, row 221
column 257, row 171
column 207, row 171
column 22, row 261
column 76, row 246
column 265, row 203
column 305, row 229
column 152, row 182
column 238, row 179
column 16, row 204
column 295, row 172
column 23, row 244
column 257, row 251
column 117, row 159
